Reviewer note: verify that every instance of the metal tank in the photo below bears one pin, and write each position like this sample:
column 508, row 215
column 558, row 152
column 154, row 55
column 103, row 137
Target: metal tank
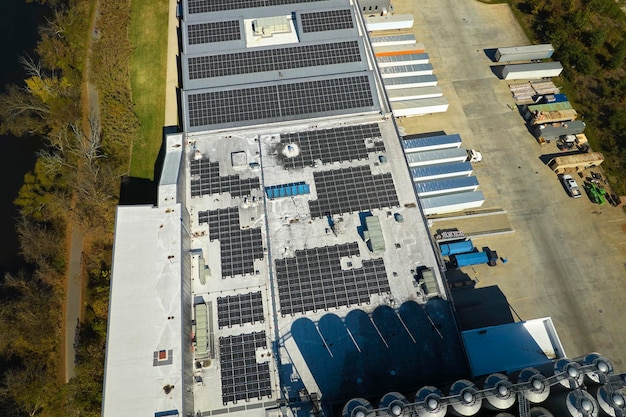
column 602, row 368
column 574, row 403
column 612, row 401
column 394, row 403
column 428, row 402
column 539, row 412
column 466, row 401
column 535, row 388
column 356, row 407
column 569, row 373
column 501, row 394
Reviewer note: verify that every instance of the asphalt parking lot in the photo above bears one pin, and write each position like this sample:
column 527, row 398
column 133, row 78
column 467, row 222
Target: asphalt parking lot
column 566, row 258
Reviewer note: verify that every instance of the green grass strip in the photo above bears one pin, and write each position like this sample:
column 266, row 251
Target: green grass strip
column 148, row 33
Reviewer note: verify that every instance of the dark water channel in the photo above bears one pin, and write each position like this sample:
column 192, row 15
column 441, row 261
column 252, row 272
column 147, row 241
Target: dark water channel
column 19, row 24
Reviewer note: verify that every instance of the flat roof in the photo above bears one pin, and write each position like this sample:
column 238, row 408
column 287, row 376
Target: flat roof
column 512, row 347
column 144, row 358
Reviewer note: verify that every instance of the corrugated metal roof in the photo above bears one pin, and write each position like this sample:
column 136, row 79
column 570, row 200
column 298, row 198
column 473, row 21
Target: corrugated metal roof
column 403, row 70
column 411, row 142
column 434, row 156
column 400, row 59
column 407, row 39
column 459, row 168
column 400, row 82
column 451, row 200
column 445, row 184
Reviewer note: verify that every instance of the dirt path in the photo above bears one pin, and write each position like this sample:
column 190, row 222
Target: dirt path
column 75, row 285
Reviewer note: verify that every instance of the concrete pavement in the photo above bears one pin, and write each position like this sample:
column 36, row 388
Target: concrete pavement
column 565, row 259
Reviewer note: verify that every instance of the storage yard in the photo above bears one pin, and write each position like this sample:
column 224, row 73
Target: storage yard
column 565, row 257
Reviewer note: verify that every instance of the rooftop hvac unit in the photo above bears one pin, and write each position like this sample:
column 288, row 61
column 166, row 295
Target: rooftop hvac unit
column 394, row 403
column 575, row 403
column 535, row 387
column 569, row 373
column 500, row 395
column 602, row 368
column 429, row 402
column 539, row 412
column 356, row 407
column 611, row 401
column 466, row 402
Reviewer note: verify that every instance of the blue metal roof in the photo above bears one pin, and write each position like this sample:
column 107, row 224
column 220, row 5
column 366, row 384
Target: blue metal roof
column 445, row 184
column 410, row 142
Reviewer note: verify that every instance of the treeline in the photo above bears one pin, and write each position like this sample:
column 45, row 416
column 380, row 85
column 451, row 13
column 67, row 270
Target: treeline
column 75, row 183
column 589, row 37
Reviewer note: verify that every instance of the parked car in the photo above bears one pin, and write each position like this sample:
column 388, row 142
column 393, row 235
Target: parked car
column 571, row 186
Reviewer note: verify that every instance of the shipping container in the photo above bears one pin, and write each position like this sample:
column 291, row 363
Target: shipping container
column 389, row 22
column 469, row 259
column 454, row 248
column 406, row 70
column 452, row 203
column 576, row 162
column 403, row 59
column 393, row 40
column 446, row 186
column 414, row 93
column 435, row 172
column 532, row 71
column 549, row 132
column 417, row 48
column 409, row 108
column 524, row 53
column 415, row 143
column 417, row 81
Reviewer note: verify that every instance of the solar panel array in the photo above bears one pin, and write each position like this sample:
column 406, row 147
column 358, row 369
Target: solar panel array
column 207, row 6
column 210, row 32
column 239, row 309
column 313, row 279
column 333, row 145
column 238, row 247
column 277, row 101
column 210, row 182
column 277, row 59
column 242, row 377
column 326, row 20
column 351, row 190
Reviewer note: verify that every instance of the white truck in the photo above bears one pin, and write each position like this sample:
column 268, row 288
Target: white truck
column 571, row 186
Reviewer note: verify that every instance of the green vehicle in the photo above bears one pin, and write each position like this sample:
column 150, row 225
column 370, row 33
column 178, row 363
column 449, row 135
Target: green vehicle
column 595, row 192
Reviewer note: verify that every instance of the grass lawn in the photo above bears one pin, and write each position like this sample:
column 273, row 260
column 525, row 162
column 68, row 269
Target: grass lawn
column 148, row 33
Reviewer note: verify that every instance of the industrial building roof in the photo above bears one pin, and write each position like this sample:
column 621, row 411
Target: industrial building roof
column 299, row 235
column 507, row 348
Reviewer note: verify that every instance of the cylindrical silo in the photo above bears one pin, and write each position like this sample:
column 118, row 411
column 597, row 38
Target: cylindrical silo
column 504, row 414
column 601, row 368
column 394, row 403
column 569, row 373
column 539, row 412
column 535, row 388
column 574, row 403
column 466, row 402
column 500, row 393
column 429, row 404
column 612, row 401
column 356, row 407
